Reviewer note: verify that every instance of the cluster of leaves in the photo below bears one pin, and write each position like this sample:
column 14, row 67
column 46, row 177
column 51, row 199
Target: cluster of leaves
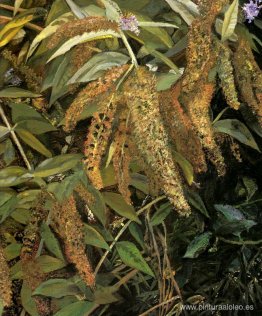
column 168, row 93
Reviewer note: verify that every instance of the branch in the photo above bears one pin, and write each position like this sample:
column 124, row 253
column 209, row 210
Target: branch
column 15, row 139
column 122, row 230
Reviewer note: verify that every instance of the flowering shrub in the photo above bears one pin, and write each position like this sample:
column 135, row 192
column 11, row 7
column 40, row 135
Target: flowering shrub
column 130, row 151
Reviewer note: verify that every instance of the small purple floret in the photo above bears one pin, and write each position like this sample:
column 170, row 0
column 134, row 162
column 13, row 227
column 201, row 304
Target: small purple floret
column 129, row 23
column 251, row 9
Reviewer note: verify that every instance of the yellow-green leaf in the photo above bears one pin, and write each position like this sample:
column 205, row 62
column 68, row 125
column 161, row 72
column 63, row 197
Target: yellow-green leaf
column 230, row 20
column 33, row 142
column 85, row 37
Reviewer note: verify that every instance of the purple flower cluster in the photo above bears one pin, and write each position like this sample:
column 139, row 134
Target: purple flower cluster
column 129, row 23
column 251, row 9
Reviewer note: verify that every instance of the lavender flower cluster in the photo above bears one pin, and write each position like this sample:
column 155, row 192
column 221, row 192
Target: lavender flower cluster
column 129, row 23
column 251, row 9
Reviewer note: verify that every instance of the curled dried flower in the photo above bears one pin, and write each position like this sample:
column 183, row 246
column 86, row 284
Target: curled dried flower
column 5, row 281
column 150, row 136
column 68, row 224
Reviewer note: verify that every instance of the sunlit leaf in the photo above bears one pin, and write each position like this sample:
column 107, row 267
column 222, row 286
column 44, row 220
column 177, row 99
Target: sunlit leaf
column 230, row 20
column 85, row 37
column 119, row 205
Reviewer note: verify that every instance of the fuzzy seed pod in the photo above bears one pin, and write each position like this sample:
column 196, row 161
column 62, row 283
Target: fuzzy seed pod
column 5, row 281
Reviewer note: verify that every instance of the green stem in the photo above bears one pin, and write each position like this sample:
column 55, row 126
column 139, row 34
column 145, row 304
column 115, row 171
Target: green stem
column 15, row 139
column 128, row 47
column 122, row 230
column 244, row 242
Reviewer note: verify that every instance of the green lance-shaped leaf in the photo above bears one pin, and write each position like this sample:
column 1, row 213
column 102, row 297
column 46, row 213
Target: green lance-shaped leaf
column 97, row 65
column 28, row 302
column 94, row 238
column 57, row 288
column 230, row 20
column 198, row 245
column 85, row 37
column 77, row 309
column 51, row 241
column 57, row 164
column 161, row 214
column 14, row 92
column 33, row 142
column 238, row 130
column 131, row 256
column 119, row 205
column 48, row 31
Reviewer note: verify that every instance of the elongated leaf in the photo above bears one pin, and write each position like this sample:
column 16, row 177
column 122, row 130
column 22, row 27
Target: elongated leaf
column 3, row 131
column 137, row 233
column 80, row 14
column 17, row 5
column 57, row 164
column 186, row 167
column 96, row 66
column 33, row 142
column 105, row 295
column 156, row 24
column 51, row 241
column 49, row 264
column 92, row 237
column 132, row 257
column 119, row 205
column 230, row 20
column 13, row 175
column 181, row 9
column 85, row 37
column 48, row 31
column 238, row 130
column 113, row 12
column 198, row 245
column 14, row 92
column 57, row 288
column 12, row 251
column 161, row 214
column 27, row 301
column 77, row 309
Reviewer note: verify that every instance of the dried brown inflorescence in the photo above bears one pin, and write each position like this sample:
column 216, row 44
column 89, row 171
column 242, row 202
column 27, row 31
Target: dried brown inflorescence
column 93, row 92
column 68, row 224
column 226, row 76
column 180, row 129
column 151, row 138
column 197, row 86
column 5, row 281
column 32, row 80
column 249, row 78
column 78, row 27
column 122, row 156
column 32, row 273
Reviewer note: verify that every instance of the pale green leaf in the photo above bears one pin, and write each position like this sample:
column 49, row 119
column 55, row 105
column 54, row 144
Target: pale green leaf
column 77, row 309
column 57, row 288
column 230, row 20
column 85, row 37
column 119, row 205
column 238, row 130
column 33, row 142
column 14, row 92
column 93, row 237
